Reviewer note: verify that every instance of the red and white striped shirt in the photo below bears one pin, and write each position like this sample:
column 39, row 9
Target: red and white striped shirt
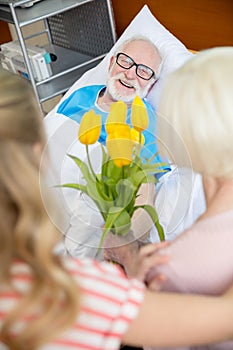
column 109, row 302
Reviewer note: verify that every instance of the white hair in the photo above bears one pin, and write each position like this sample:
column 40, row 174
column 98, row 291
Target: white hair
column 121, row 47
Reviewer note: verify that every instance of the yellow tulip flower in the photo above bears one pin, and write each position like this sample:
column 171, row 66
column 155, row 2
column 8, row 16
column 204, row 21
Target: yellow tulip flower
column 139, row 116
column 117, row 115
column 120, row 145
column 90, row 127
column 135, row 136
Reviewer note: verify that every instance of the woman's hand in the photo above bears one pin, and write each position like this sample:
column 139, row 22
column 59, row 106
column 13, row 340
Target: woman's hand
column 148, row 258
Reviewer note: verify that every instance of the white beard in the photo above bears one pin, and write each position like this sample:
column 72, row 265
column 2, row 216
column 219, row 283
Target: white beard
column 117, row 95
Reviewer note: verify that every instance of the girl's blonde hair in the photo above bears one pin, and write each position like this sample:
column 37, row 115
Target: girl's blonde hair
column 26, row 232
column 195, row 114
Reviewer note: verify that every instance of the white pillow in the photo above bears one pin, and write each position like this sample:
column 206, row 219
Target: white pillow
column 173, row 51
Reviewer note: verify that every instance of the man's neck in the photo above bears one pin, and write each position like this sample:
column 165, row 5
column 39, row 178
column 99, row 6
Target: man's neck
column 104, row 101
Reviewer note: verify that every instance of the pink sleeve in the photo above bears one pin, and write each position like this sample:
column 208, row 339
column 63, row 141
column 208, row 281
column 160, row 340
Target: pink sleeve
column 201, row 259
column 109, row 303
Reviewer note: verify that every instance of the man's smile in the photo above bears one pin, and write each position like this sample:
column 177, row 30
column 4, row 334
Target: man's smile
column 126, row 84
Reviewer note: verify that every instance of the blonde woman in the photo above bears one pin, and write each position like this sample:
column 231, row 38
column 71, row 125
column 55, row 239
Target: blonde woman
column 196, row 127
column 48, row 302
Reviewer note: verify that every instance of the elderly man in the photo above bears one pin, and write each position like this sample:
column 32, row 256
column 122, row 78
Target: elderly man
column 133, row 70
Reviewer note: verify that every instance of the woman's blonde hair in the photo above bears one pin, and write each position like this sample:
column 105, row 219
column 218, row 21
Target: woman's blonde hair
column 195, row 114
column 26, row 232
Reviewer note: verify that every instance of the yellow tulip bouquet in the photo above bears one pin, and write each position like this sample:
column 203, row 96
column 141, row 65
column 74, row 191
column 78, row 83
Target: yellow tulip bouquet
column 115, row 189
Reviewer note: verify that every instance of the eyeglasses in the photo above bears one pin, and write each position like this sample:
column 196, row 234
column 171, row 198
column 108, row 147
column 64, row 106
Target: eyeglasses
column 126, row 62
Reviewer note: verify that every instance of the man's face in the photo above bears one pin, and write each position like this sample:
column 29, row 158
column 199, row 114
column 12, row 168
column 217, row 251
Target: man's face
column 124, row 84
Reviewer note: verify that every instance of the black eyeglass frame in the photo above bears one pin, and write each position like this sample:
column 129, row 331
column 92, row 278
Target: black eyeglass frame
column 137, row 65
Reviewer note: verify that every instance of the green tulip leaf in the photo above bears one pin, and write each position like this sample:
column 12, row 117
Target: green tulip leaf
column 125, row 192
column 113, row 171
column 105, row 155
column 78, row 187
column 83, row 167
column 118, row 221
column 154, row 216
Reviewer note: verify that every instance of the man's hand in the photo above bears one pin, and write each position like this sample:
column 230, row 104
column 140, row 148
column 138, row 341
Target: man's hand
column 135, row 261
column 122, row 250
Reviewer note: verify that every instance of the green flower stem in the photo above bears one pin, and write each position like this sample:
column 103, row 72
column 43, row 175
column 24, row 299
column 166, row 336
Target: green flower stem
column 160, row 231
column 89, row 163
column 139, row 144
column 124, row 172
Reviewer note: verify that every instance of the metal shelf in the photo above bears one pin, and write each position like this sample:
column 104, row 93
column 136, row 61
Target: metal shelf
column 60, row 85
column 80, row 36
column 38, row 11
column 67, row 61
column 74, row 63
